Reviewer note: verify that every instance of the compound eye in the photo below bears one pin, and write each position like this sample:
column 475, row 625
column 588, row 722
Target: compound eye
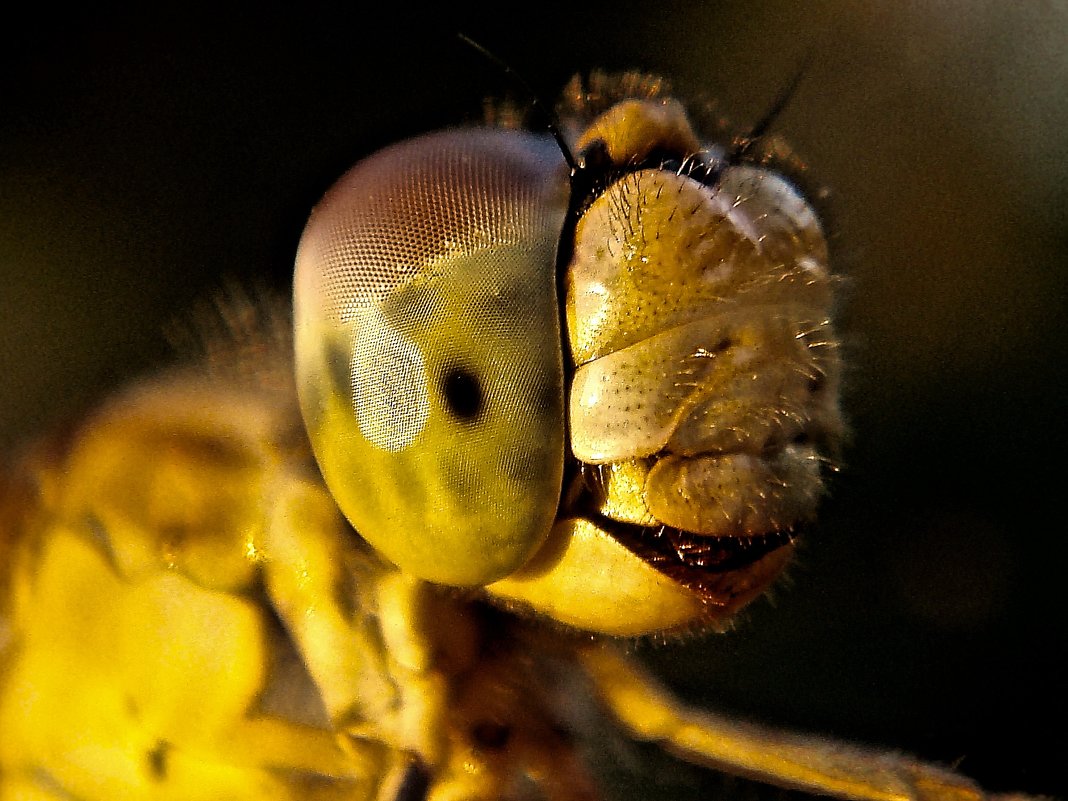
column 428, row 349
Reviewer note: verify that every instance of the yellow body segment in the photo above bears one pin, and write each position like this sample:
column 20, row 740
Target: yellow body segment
column 141, row 652
column 150, row 682
column 317, row 671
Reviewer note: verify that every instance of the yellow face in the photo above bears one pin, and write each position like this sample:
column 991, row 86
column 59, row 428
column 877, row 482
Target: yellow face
column 642, row 465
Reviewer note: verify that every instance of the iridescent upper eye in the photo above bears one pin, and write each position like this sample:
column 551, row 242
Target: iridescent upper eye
column 428, row 349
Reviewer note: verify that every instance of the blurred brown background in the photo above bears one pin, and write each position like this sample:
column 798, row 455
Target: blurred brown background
column 142, row 162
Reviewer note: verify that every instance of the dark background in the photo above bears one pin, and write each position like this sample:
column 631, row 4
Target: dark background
column 142, row 162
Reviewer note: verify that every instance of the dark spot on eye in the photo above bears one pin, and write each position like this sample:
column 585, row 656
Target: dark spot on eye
column 723, row 345
column 157, row 760
column 802, row 438
column 415, row 786
column 463, row 393
column 816, row 383
column 491, row 736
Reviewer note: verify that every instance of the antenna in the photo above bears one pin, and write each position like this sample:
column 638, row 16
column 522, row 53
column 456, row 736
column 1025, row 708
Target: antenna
column 744, row 144
column 535, row 102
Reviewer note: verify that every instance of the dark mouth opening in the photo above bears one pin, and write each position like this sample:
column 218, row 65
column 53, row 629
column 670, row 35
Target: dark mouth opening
column 725, row 572
column 669, row 549
column 720, row 569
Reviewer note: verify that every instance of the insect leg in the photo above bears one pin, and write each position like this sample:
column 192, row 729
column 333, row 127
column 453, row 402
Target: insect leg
column 784, row 759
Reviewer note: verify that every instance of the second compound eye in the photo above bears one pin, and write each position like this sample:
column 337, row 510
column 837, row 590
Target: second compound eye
column 463, row 393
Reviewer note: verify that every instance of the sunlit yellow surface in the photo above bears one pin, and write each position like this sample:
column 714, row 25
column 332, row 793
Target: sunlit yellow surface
column 586, row 579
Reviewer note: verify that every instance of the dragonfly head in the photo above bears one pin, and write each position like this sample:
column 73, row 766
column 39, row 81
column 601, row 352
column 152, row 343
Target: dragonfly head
column 611, row 399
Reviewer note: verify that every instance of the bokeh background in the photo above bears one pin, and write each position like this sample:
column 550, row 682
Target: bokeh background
column 143, row 162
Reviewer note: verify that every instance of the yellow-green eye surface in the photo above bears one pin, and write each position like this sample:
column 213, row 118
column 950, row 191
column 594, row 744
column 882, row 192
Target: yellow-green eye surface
column 428, row 349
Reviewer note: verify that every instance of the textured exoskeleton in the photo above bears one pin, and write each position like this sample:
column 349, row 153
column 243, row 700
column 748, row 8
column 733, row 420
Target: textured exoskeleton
column 529, row 413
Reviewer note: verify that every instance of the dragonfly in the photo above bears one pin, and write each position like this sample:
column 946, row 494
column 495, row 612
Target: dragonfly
column 536, row 398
